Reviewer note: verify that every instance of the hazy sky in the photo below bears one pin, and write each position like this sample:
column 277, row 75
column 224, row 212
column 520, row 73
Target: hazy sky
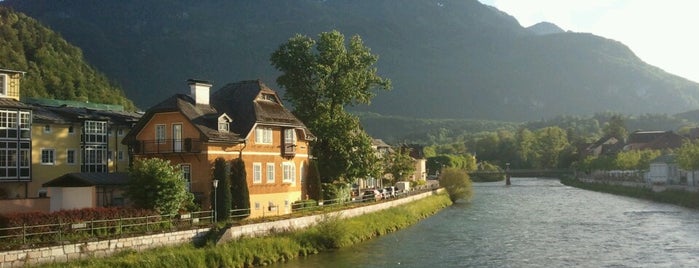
column 662, row 33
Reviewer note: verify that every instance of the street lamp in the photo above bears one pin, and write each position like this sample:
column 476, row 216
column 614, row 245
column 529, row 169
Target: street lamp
column 215, row 201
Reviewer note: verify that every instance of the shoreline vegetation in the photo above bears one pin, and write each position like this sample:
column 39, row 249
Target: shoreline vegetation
column 675, row 197
column 331, row 233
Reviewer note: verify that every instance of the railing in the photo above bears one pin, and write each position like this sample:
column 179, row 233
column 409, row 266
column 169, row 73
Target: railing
column 167, row 146
column 526, row 172
column 12, row 237
column 72, row 232
column 288, row 149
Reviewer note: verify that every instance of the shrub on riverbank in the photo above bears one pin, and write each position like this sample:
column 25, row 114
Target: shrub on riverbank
column 677, row 197
column 331, row 233
column 457, row 183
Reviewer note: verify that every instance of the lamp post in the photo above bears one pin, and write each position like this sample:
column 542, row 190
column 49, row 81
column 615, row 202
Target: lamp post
column 215, row 201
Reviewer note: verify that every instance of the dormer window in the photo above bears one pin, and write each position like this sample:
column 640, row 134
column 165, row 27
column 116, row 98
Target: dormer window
column 224, row 122
column 269, row 97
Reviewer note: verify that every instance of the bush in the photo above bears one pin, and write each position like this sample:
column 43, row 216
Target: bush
column 457, row 183
column 304, row 204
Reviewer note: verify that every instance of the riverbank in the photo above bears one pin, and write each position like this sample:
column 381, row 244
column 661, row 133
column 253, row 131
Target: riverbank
column 331, row 233
column 676, row 197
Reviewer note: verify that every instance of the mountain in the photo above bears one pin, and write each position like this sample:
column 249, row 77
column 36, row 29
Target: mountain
column 447, row 58
column 544, row 28
column 54, row 68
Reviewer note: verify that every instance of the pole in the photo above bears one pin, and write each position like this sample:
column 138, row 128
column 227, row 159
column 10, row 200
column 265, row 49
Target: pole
column 507, row 175
column 215, row 201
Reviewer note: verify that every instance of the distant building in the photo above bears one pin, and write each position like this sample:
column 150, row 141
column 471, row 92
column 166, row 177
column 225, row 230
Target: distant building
column 654, row 140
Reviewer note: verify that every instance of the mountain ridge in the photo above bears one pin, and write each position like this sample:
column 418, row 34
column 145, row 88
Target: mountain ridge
column 447, row 59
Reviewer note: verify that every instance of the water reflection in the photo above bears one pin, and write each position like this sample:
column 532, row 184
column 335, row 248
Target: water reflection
column 533, row 223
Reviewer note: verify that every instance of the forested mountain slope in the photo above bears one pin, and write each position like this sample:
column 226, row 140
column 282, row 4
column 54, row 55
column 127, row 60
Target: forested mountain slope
column 447, row 58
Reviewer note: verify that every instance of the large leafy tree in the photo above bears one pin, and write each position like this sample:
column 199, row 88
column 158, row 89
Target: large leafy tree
column 313, row 184
column 615, row 127
column 457, row 183
column 400, row 164
column 223, row 191
column 322, row 77
column 156, row 184
column 239, row 188
column 688, row 156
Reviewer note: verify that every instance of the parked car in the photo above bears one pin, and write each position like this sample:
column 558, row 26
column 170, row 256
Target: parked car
column 371, row 194
column 389, row 192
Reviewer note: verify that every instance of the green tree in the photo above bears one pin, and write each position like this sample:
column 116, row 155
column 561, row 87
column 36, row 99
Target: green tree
column 615, row 127
column 321, row 79
column 155, row 184
column 313, row 183
column 550, row 143
column 224, row 197
column 239, row 189
column 457, row 183
column 688, row 156
column 400, row 164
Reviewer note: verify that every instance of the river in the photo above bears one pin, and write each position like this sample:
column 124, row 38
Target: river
column 533, row 223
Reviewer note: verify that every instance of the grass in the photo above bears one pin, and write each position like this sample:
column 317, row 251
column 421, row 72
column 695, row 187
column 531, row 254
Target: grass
column 330, row 233
column 676, row 197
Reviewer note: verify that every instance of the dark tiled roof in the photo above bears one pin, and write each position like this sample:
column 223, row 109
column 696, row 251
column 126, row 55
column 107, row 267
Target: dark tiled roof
column 65, row 114
column 241, row 102
column 12, row 103
column 203, row 117
column 89, row 179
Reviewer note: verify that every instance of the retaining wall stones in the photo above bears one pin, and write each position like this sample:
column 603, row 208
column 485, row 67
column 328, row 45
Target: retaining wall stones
column 21, row 258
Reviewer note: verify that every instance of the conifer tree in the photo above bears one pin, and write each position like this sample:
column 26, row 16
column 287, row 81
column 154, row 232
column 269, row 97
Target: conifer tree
column 223, row 191
column 239, row 189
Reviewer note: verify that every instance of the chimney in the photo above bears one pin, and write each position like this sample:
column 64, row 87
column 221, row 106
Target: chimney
column 199, row 89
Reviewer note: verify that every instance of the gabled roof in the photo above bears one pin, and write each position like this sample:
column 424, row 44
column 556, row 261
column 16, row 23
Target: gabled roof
column 245, row 102
column 79, row 179
column 656, row 140
column 203, row 117
column 67, row 115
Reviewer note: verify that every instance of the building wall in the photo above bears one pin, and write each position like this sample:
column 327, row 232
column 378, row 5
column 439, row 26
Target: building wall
column 61, row 141
column 115, row 146
column 279, row 193
column 72, row 197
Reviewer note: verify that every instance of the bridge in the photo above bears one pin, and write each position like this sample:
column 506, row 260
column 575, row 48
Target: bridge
column 549, row 173
column 508, row 173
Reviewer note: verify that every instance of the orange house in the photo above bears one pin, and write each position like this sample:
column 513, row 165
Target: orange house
column 244, row 119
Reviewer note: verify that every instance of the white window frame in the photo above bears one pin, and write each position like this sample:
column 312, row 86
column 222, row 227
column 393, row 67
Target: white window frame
column 4, row 84
column 289, row 172
column 47, row 128
column 256, row 173
column 289, row 136
column 302, row 174
column 68, row 159
column 263, row 135
column 51, row 156
column 160, row 133
column 270, row 173
column 186, row 169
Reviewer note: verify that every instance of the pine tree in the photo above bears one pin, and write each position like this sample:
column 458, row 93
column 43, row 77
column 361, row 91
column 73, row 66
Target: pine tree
column 239, row 189
column 223, row 191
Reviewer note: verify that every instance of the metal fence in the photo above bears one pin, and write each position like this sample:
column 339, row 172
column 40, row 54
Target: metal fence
column 72, row 232
column 12, row 237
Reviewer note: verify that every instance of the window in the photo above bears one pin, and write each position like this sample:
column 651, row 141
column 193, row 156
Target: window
column 95, row 132
column 94, row 158
column 257, row 205
column 120, row 155
column 256, row 172
column 223, row 123
column 270, row 172
column 70, row 156
column 302, row 172
column 47, row 128
column 187, row 175
column 268, row 97
column 289, row 136
column 47, row 156
column 120, row 132
column 43, row 192
column 25, row 125
column 71, row 129
column 289, row 175
column 263, row 135
column 160, row 133
column 3, row 84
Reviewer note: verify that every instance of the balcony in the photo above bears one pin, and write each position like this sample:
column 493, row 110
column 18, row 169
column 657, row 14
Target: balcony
column 288, row 150
column 168, row 146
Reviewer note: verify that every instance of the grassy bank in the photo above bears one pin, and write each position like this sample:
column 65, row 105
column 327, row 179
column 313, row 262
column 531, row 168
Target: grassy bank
column 677, row 197
column 331, row 233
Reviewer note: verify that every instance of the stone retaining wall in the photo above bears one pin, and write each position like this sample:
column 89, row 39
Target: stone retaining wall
column 24, row 257
column 260, row 229
column 21, row 258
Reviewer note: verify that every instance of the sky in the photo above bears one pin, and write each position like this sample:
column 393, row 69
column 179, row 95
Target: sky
column 662, row 33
